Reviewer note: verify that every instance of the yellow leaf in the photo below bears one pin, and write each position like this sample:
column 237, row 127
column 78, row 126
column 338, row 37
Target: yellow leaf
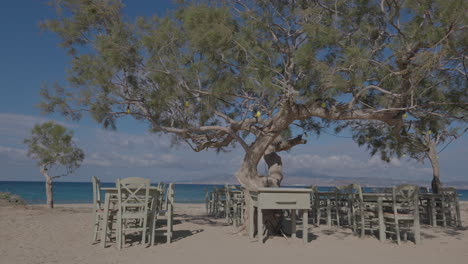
column 258, row 114
column 186, row 104
column 429, row 132
column 128, row 111
column 324, row 105
column 405, row 115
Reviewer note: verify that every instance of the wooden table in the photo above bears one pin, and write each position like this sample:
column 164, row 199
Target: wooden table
column 111, row 196
column 283, row 199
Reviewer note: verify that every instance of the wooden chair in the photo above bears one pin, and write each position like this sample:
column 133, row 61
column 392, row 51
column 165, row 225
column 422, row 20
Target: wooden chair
column 239, row 207
column 207, row 201
column 98, row 213
column 321, row 207
column 133, row 207
column 403, row 215
column 341, row 207
column 98, row 210
column 364, row 213
column 447, row 208
column 425, row 207
column 164, row 213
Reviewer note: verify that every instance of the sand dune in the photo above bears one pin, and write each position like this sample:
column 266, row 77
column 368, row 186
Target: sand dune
column 35, row 234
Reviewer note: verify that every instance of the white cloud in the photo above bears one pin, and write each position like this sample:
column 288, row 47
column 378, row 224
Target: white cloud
column 125, row 140
column 115, row 159
column 116, row 153
column 350, row 166
column 15, row 127
column 14, row 153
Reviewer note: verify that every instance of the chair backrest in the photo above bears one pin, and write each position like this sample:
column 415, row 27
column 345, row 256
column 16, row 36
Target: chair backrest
column 449, row 193
column 423, row 190
column 96, row 192
column 169, row 201
column 162, row 187
column 355, row 192
column 133, row 193
column 341, row 195
column 314, row 195
column 405, row 198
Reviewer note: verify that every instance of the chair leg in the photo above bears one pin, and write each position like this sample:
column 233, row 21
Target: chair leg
column 119, row 233
column 143, row 235
column 329, row 220
column 169, row 228
column 153, row 228
column 444, row 212
column 95, row 227
column 417, row 232
column 397, row 231
column 318, row 214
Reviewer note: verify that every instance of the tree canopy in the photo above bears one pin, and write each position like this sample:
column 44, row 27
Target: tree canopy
column 262, row 73
column 52, row 146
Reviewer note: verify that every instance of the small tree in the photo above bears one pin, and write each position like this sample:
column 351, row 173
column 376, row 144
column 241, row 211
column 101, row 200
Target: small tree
column 52, row 146
column 421, row 138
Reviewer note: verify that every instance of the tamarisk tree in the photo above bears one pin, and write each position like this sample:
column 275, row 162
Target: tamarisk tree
column 52, row 146
column 420, row 139
column 258, row 74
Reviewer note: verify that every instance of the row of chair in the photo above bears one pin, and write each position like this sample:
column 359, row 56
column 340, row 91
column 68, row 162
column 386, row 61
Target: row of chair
column 134, row 206
column 227, row 202
column 402, row 209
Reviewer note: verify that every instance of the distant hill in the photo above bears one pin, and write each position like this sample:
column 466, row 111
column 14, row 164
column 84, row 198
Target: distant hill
column 325, row 180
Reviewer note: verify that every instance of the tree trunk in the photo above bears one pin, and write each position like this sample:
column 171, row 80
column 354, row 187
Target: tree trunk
column 49, row 188
column 436, row 184
column 249, row 178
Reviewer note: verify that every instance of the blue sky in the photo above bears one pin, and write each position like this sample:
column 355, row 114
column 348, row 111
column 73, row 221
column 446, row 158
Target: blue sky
column 29, row 58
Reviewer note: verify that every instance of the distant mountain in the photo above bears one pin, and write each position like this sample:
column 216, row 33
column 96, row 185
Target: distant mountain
column 214, row 179
column 326, row 180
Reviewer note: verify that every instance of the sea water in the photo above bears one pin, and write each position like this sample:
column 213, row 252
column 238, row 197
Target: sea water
column 82, row 192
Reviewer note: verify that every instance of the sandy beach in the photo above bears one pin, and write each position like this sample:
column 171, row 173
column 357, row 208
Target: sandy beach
column 34, row 234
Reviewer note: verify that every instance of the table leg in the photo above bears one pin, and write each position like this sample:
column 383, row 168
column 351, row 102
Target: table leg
column 293, row 223
column 381, row 220
column 457, row 212
column 260, row 225
column 433, row 212
column 105, row 218
column 305, row 226
column 251, row 221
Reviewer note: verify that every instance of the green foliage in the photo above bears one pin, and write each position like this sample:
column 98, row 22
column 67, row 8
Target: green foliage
column 11, row 198
column 52, row 146
column 209, row 60
column 413, row 139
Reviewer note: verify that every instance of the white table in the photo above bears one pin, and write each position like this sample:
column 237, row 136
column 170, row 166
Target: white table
column 279, row 198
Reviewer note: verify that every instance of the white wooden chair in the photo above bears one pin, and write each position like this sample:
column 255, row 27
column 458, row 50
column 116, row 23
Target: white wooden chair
column 164, row 212
column 133, row 207
column 364, row 214
column 98, row 212
column 403, row 215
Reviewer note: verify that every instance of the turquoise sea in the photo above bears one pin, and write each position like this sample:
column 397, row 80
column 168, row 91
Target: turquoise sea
column 81, row 192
